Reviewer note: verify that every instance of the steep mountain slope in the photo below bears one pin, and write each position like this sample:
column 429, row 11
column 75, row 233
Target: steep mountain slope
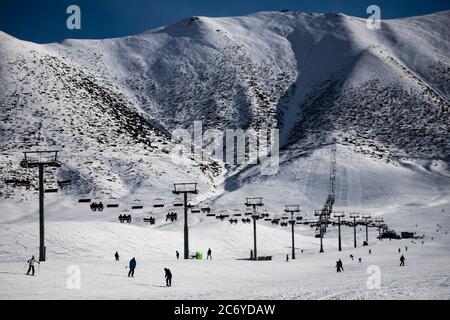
column 108, row 147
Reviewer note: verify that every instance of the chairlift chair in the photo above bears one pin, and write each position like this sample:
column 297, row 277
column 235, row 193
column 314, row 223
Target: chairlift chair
column 137, row 204
column 205, row 209
column 112, row 203
column 177, row 202
column 159, row 203
column 64, row 183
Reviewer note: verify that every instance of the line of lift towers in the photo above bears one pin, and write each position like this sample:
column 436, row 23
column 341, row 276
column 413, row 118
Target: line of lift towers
column 45, row 159
column 323, row 215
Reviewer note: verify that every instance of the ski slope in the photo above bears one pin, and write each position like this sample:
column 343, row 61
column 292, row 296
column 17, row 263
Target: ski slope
column 76, row 236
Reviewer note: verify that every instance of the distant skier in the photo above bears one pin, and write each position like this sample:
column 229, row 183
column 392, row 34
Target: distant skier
column 370, row 251
column 209, row 254
column 31, row 263
column 402, row 261
column 351, row 257
column 132, row 267
column 168, row 276
column 406, row 248
column 339, row 266
column 359, row 260
column 177, row 254
column 287, row 258
column 399, row 250
column 116, row 255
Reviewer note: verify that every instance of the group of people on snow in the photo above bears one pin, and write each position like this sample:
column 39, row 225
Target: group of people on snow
column 132, row 266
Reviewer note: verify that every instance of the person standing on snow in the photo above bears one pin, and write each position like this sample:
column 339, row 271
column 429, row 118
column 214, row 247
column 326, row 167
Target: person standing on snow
column 31, row 263
column 402, row 261
column 177, row 254
column 339, row 266
column 168, row 276
column 209, row 254
column 116, row 255
column 132, row 267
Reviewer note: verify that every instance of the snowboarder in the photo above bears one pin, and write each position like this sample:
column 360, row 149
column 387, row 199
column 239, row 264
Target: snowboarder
column 209, row 254
column 132, row 267
column 177, row 254
column 31, row 263
column 168, row 276
column 116, row 255
column 402, row 261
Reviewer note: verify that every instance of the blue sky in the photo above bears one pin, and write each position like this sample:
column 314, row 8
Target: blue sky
column 45, row 20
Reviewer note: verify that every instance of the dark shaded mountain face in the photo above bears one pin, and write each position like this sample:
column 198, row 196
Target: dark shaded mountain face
column 111, row 105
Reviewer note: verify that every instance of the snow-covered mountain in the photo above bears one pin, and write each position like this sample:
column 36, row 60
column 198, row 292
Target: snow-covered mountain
column 112, row 104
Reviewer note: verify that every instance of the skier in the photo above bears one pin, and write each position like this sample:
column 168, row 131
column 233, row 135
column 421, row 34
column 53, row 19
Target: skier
column 351, row 257
column 339, row 266
column 31, row 265
column 209, row 254
column 402, row 261
column 287, row 258
column 116, row 255
column 168, row 276
column 177, row 254
column 399, row 250
column 132, row 267
column 359, row 260
column 406, row 248
column 370, row 251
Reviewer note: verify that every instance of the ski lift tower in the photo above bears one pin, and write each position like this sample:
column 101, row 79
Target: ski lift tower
column 366, row 217
column 185, row 188
column 339, row 215
column 354, row 216
column 292, row 209
column 380, row 222
column 41, row 160
column 254, row 202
